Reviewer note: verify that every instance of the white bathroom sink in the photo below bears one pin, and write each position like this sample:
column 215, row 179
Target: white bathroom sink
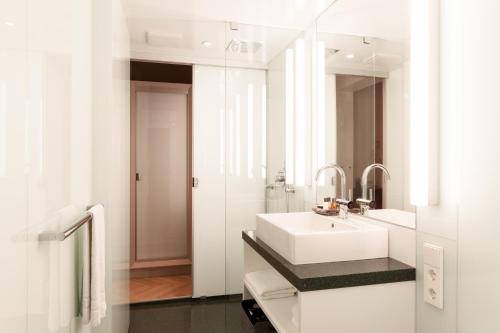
column 306, row 238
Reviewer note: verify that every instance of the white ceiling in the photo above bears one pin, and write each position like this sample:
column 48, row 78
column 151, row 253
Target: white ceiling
column 384, row 23
column 385, row 19
column 182, row 41
column 368, row 54
column 291, row 14
column 186, row 24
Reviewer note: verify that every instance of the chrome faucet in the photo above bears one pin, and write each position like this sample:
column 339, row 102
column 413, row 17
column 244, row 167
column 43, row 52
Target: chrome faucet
column 280, row 182
column 343, row 201
column 364, row 202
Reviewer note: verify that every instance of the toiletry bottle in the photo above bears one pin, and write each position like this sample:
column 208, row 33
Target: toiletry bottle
column 333, row 205
column 326, row 203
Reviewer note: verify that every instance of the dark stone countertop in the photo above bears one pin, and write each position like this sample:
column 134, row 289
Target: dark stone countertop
column 332, row 275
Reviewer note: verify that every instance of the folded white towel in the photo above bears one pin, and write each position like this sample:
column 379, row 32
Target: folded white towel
column 93, row 291
column 269, row 284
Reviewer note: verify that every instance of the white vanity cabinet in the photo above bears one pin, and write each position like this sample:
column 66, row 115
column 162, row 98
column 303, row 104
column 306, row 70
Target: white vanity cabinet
column 363, row 296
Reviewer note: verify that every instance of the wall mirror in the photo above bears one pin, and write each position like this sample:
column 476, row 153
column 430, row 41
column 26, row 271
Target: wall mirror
column 363, row 60
column 340, row 93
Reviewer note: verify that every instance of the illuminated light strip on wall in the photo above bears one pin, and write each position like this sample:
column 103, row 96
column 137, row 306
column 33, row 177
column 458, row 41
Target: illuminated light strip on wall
column 237, row 138
column 289, row 116
column 321, row 116
column 222, row 142
column 263, row 148
column 300, row 113
column 3, row 129
column 424, row 103
column 250, row 97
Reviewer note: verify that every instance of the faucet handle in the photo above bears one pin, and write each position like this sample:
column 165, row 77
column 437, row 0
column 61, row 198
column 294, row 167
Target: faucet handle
column 365, row 205
column 343, row 202
column 366, row 202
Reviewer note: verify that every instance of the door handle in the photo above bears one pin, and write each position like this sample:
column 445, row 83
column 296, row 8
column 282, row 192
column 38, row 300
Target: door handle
column 137, row 177
column 196, row 182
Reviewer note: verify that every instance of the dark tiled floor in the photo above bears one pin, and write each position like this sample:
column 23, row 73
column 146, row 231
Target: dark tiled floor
column 212, row 315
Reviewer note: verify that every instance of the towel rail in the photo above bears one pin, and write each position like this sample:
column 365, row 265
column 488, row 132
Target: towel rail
column 62, row 235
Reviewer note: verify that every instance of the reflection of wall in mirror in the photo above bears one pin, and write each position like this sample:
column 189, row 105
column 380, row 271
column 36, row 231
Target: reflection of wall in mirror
column 396, row 138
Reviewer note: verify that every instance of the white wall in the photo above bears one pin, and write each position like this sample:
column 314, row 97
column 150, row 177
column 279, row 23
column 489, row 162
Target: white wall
column 46, row 139
column 438, row 224
column 473, row 93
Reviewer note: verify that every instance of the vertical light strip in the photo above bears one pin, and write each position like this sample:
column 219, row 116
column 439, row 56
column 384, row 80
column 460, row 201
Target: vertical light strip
column 419, row 116
column 289, row 116
column 238, row 135
column 250, row 99
column 230, row 142
column 300, row 113
column 321, row 116
column 41, row 144
column 222, row 142
column 263, row 142
column 423, row 103
column 3, row 130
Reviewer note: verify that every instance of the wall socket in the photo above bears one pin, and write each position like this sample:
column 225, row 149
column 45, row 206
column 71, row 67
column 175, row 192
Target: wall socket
column 433, row 275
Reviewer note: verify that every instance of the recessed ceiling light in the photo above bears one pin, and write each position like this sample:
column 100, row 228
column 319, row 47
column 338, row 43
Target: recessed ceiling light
column 206, row 43
column 9, row 23
column 350, row 56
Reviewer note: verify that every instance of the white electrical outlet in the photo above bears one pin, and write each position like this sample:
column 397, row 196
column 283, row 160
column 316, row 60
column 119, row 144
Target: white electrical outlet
column 433, row 275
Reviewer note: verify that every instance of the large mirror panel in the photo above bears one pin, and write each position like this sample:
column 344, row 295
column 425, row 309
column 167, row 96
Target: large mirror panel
column 363, row 100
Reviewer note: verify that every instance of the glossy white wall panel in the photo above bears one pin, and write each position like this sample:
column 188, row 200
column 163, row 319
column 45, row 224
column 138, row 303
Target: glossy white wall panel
column 209, row 165
column 478, row 229
column 111, row 150
column 246, row 133
column 13, row 182
column 46, row 155
column 59, row 96
column 438, row 224
column 120, row 189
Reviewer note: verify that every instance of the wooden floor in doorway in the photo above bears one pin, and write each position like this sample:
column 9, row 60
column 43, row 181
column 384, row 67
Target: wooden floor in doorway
column 150, row 289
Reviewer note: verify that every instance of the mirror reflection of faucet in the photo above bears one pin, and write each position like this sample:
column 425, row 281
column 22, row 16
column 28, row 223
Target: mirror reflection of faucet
column 280, row 182
column 366, row 201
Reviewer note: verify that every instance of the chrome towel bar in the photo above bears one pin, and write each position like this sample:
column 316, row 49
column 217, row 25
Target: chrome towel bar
column 62, row 235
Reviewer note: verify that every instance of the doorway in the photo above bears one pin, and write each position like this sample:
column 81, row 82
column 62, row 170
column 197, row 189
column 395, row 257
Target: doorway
column 161, row 228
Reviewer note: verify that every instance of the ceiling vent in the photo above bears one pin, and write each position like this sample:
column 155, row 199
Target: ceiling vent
column 166, row 39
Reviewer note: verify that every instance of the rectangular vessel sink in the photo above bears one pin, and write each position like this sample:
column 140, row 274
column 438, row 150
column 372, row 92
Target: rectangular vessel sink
column 306, row 238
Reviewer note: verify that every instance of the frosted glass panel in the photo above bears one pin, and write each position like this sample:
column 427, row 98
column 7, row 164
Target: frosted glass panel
column 162, row 175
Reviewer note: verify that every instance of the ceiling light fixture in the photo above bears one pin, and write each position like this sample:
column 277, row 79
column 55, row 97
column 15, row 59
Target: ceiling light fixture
column 9, row 23
column 206, row 43
column 350, row 56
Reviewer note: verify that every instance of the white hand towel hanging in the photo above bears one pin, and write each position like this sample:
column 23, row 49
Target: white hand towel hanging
column 93, row 289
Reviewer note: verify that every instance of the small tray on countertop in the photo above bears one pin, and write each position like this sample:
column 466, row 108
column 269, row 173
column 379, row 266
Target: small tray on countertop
column 326, row 212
